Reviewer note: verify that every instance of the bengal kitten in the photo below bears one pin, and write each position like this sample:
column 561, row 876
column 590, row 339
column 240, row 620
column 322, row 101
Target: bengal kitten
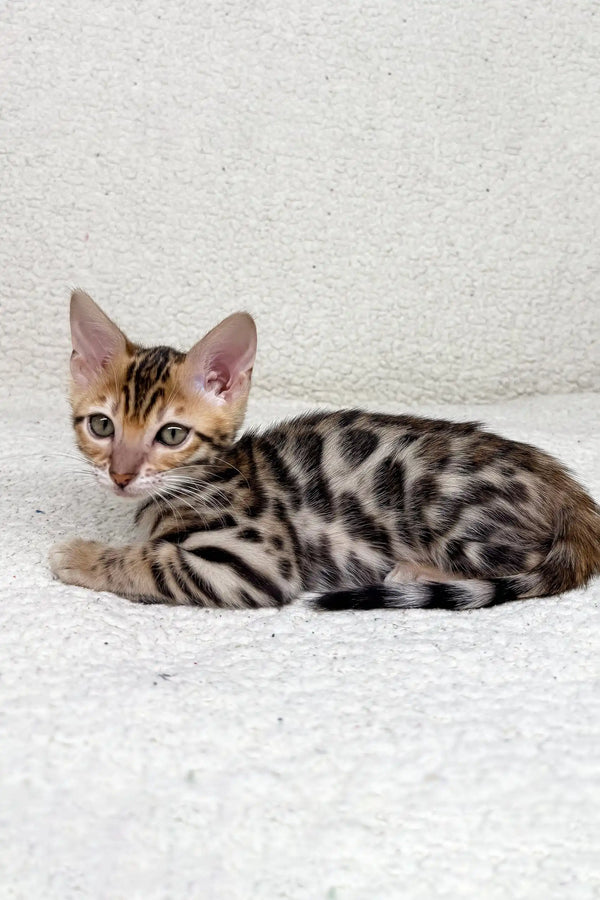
column 368, row 510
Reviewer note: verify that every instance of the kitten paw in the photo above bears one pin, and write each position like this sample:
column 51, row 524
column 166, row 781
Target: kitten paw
column 77, row 562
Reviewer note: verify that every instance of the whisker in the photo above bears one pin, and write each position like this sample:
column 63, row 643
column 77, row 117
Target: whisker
column 175, row 514
column 213, row 465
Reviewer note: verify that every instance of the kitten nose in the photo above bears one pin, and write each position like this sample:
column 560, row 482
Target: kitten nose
column 122, row 480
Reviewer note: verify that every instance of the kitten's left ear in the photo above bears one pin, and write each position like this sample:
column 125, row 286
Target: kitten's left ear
column 220, row 365
column 96, row 340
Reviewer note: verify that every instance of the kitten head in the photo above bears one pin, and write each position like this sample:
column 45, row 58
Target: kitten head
column 140, row 413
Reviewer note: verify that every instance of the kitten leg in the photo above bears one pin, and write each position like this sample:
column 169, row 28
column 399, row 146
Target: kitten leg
column 161, row 571
column 100, row 567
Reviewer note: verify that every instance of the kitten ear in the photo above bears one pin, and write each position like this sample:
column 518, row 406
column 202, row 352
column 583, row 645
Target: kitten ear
column 96, row 340
column 220, row 365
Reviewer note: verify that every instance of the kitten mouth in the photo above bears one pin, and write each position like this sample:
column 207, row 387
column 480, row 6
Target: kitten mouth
column 135, row 491
column 124, row 493
column 130, row 491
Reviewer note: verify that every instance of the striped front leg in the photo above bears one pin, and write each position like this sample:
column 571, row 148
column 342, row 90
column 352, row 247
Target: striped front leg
column 162, row 571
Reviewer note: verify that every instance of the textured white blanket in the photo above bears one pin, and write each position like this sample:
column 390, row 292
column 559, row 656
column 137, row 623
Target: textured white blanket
column 155, row 752
column 406, row 194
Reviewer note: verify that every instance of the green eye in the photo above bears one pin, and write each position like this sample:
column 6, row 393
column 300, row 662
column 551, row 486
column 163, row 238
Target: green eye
column 101, row 426
column 171, row 435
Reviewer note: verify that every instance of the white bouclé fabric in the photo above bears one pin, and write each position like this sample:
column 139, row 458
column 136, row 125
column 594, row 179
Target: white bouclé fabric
column 154, row 752
column 406, row 197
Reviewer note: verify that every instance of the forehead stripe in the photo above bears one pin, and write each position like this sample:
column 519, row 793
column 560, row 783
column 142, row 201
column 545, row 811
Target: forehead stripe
column 147, row 374
column 157, row 395
column 127, row 386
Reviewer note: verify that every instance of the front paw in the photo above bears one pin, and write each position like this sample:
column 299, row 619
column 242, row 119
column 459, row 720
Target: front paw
column 78, row 562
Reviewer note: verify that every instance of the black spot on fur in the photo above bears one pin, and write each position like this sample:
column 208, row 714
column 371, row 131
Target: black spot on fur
column 283, row 516
column 405, row 440
column 423, row 492
column 421, row 495
column 160, row 580
column 217, row 524
column 178, row 537
column 318, row 496
column 362, row 526
column 458, row 561
column 359, row 572
column 502, row 559
column 203, row 590
column 242, row 569
column 282, row 473
column 447, row 513
column 257, row 502
column 464, row 465
column 516, row 492
column 357, row 444
column 404, row 532
column 285, row 568
column 478, row 492
column 347, row 417
column 221, row 476
column 250, row 534
column 319, row 569
column 308, row 449
column 389, row 483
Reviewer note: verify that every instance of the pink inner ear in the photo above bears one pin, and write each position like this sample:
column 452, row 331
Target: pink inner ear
column 217, row 379
column 220, row 364
column 96, row 340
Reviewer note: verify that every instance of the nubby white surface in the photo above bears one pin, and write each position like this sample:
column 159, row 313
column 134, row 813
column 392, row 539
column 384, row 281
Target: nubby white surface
column 406, row 195
column 153, row 752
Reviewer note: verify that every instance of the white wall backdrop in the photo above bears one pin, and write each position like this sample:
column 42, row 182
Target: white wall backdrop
column 405, row 194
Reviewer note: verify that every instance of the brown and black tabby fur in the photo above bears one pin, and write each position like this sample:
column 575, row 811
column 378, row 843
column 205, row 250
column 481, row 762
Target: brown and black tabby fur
column 367, row 510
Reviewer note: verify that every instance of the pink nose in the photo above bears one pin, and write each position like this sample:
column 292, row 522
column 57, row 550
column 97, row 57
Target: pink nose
column 122, row 480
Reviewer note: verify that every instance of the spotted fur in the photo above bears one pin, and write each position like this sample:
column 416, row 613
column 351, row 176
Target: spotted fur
column 365, row 510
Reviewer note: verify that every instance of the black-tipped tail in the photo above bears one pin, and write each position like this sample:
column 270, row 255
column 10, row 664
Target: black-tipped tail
column 455, row 595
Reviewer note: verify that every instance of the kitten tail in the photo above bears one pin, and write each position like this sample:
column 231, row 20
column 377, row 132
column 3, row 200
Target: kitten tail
column 454, row 595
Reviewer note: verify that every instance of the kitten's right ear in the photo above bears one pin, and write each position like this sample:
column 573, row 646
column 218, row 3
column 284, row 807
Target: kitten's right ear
column 96, row 340
column 220, row 365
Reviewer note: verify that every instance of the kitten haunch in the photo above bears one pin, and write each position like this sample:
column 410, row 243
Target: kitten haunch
column 367, row 510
